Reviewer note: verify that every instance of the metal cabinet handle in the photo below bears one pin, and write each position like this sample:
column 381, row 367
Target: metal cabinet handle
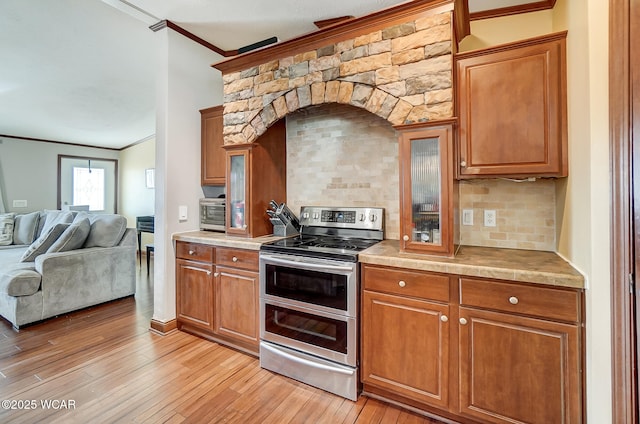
column 402, row 283
column 513, row 300
column 444, row 318
column 234, row 259
column 463, row 321
column 216, row 274
column 405, row 237
column 463, row 163
column 191, row 252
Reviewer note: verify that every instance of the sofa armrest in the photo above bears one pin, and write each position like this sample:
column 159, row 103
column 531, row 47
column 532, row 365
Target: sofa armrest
column 79, row 278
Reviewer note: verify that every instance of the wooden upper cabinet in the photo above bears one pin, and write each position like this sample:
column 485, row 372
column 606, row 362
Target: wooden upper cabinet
column 512, row 109
column 213, row 156
column 428, row 191
column 256, row 173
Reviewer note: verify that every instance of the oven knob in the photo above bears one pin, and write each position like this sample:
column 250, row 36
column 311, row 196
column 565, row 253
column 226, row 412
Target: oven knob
column 362, row 217
column 316, row 215
column 305, row 215
column 402, row 283
column 373, row 218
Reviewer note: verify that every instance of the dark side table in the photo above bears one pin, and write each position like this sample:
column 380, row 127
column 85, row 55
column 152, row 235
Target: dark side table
column 144, row 224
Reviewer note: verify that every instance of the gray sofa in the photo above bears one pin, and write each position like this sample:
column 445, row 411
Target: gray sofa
column 74, row 260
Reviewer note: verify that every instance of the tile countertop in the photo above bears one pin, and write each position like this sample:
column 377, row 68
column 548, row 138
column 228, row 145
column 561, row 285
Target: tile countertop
column 527, row 266
column 222, row 240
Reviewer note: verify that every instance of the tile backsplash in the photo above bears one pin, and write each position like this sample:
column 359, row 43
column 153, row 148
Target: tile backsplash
column 339, row 155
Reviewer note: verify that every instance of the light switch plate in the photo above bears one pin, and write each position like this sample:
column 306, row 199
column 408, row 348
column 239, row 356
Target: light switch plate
column 182, row 212
column 467, row 217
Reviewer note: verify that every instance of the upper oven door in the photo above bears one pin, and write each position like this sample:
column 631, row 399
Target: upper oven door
column 320, row 284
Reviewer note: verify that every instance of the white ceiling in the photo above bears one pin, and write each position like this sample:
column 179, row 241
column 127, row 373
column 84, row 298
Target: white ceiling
column 81, row 71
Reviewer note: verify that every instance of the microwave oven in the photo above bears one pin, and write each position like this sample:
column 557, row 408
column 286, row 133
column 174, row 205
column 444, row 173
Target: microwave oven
column 212, row 214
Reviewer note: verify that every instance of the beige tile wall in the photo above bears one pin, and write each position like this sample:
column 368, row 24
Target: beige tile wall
column 339, row 155
column 525, row 213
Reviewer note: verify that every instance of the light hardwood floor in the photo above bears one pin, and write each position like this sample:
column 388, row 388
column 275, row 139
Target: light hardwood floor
column 103, row 365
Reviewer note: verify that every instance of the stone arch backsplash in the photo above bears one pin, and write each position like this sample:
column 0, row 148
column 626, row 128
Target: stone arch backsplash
column 403, row 73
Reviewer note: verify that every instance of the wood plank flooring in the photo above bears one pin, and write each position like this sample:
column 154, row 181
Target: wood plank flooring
column 103, row 365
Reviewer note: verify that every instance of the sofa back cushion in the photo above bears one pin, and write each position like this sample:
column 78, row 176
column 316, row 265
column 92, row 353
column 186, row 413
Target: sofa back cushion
column 44, row 242
column 53, row 217
column 73, row 237
column 106, row 229
column 6, row 229
column 25, row 228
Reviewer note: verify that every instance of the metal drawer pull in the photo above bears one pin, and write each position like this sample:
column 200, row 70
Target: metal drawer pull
column 513, row 300
column 216, row 274
column 234, row 259
column 444, row 318
column 191, row 252
column 402, row 283
column 463, row 321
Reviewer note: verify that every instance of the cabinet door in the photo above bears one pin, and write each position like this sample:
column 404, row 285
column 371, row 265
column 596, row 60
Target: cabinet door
column 194, row 293
column 405, row 347
column 212, row 154
column 237, row 311
column 512, row 109
column 427, row 191
column 518, row 370
column 238, row 166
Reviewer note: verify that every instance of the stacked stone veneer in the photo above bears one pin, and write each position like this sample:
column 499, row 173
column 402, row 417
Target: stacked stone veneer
column 402, row 73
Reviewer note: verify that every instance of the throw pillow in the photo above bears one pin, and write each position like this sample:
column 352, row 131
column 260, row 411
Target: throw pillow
column 106, row 230
column 44, row 242
column 56, row 217
column 6, row 229
column 73, row 237
column 25, row 227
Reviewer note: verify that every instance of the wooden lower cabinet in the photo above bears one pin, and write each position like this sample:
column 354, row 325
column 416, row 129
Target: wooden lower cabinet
column 236, row 294
column 487, row 351
column 405, row 347
column 518, row 370
column 217, row 294
column 194, row 293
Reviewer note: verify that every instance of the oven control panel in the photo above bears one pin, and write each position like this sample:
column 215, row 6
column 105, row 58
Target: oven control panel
column 342, row 217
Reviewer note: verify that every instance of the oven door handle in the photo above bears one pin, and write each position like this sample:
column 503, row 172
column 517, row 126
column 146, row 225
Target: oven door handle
column 305, row 361
column 309, row 265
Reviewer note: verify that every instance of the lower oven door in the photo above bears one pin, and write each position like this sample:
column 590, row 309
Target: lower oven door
column 329, row 336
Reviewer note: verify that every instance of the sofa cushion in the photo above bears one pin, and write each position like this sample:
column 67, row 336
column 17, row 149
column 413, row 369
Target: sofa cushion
column 54, row 217
column 44, row 242
column 73, row 237
column 25, row 228
column 106, row 229
column 6, row 229
column 20, row 282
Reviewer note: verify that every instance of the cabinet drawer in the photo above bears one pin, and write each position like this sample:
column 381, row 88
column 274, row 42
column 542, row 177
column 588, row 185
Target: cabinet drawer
column 406, row 282
column 194, row 251
column 237, row 258
column 543, row 302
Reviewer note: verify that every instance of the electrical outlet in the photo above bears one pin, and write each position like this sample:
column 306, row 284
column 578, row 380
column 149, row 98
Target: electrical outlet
column 19, row 203
column 467, row 217
column 489, row 218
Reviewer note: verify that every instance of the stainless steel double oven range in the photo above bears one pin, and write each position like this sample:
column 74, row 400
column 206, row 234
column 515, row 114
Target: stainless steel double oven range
column 309, row 297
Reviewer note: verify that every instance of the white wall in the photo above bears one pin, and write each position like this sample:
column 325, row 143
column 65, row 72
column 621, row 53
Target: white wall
column 186, row 83
column 136, row 199
column 29, row 171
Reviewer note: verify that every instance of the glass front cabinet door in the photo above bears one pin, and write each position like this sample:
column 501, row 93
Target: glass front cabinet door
column 427, row 189
column 237, row 191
